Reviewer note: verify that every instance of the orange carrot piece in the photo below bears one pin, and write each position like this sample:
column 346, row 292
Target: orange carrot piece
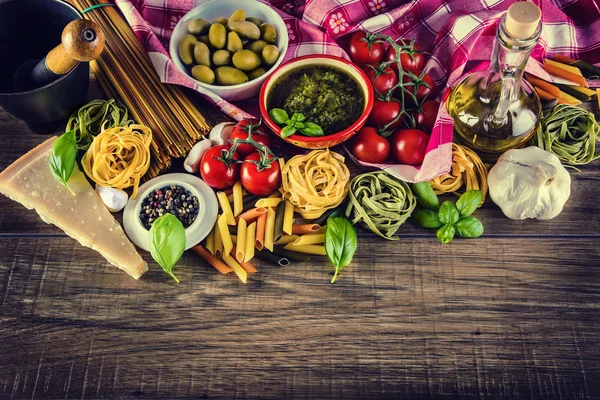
column 252, row 213
column 564, row 59
column 305, row 228
column 212, row 260
column 261, row 223
column 545, row 86
column 544, row 95
column 248, row 267
column 565, row 75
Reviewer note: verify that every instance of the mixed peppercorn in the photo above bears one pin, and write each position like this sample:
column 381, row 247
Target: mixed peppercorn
column 172, row 199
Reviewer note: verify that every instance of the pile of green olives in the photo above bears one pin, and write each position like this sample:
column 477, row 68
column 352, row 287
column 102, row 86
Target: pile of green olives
column 230, row 50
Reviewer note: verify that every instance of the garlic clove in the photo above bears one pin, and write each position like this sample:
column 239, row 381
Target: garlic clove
column 114, row 199
column 192, row 161
column 221, row 132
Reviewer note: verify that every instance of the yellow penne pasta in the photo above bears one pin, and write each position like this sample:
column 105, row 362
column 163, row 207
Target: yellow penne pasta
column 268, row 202
column 270, row 229
column 240, row 244
column 218, row 241
column 225, row 235
column 274, row 195
column 304, row 240
column 226, row 207
column 288, row 218
column 567, row 98
column 285, row 239
column 236, row 267
column 210, row 241
column 238, row 199
column 308, row 249
column 250, row 242
column 584, row 90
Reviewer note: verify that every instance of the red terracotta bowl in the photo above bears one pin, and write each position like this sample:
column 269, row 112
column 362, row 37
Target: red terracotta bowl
column 331, row 140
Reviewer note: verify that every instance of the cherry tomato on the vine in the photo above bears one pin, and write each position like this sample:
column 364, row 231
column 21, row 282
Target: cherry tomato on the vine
column 410, row 61
column 364, row 50
column 384, row 112
column 241, row 131
column 409, row 145
column 422, row 90
column 382, row 82
column 369, row 146
column 216, row 173
column 426, row 114
column 261, row 182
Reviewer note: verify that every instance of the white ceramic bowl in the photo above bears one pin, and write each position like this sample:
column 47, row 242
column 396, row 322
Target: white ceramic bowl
column 196, row 232
column 214, row 9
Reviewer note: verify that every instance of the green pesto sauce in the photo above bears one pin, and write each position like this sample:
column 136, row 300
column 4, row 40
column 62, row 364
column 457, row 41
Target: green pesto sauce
column 327, row 97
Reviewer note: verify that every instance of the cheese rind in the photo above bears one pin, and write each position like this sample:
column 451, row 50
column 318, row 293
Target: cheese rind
column 84, row 217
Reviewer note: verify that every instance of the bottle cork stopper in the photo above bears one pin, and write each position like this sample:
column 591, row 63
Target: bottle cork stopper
column 522, row 19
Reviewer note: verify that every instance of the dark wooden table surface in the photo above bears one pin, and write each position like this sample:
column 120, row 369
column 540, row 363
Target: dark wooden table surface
column 513, row 314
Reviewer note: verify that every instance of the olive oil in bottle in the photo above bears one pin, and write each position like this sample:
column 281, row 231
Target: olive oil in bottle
column 496, row 110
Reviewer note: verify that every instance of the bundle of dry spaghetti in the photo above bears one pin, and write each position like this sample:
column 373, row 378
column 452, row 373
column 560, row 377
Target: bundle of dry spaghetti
column 125, row 72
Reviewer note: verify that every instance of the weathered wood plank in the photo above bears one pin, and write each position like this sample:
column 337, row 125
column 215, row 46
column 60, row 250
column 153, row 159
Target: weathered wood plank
column 508, row 320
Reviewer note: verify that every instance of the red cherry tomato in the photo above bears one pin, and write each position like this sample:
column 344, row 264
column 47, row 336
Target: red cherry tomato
column 369, row 146
column 385, row 112
column 409, row 146
column 241, row 131
column 363, row 50
column 383, row 82
column 425, row 116
column 215, row 172
column 422, row 90
column 263, row 182
column 410, row 63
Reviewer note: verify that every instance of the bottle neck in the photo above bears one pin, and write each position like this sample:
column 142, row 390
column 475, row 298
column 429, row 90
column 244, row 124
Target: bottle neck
column 507, row 65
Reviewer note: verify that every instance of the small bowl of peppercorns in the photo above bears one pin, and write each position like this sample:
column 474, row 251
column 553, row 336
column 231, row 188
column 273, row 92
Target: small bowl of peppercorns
column 185, row 196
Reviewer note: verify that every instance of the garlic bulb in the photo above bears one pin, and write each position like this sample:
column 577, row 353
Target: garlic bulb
column 529, row 183
column 193, row 158
column 221, row 132
column 114, row 199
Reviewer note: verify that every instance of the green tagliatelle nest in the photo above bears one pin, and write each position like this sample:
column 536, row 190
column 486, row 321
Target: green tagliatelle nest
column 380, row 202
column 571, row 133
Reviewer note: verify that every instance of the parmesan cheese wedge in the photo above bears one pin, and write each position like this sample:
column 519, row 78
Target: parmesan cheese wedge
column 84, row 217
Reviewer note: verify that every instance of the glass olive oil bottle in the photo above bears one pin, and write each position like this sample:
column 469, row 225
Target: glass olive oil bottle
column 496, row 110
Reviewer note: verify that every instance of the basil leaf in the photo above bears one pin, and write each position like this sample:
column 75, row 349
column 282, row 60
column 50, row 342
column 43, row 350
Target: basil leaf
column 469, row 227
column 167, row 242
column 446, row 233
column 299, row 125
column 468, row 202
column 448, row 213
column 426, row 219
column 425, row 195
column 340, row 243
column 62, row 158
column 287, row 131
column 279, row 115
column 312, row 129
column 299, row 117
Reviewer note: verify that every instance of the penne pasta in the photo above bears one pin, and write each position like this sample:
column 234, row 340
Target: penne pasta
column 250, row 242
column 565, row 67
column 288, row 217
column 225, row 235
column 212, row 260
column 278, row 229
column 598, row 96
column 249, row 201
column 307, row 249
column 275, row 194
column 241, row 241
column 272, row 258
column 542, row 84
column 218, row 241
column 270, row 229
column 226, row 207
column 322, row 229
column 268, row 202
column 238, row 199
column 564, row 59
column 303, row 240
column 252, row 213
column 544, row 95
column 236, row 267
column 260, row 231
column 290, row 255
column 248, row 267
column 552, row 69
column 305, row 228
column 210, row 241
column 285, row 239
column 566, row 98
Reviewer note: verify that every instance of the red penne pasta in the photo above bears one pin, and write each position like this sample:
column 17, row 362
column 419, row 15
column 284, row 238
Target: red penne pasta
column 260, row 231
column 305, row 228
column 252, row 214
column 212, row 260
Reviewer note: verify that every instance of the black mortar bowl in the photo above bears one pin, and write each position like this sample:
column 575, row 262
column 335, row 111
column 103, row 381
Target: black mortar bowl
column 29, row 29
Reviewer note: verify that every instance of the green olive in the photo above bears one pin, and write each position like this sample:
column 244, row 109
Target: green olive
column 234, row 43
column 246, row 60
column 204, row 39
column 221, row 57
column 245, row 29
column 217, row 35
column 227, row 76
column 254, row 20
column 222, row 20
column 198, row 26
column 268, row 32
column 257, row 46
column 203, row 74
column 202, row 54
column 270, row 54
column 256, row 72
column 238, row 15
column 186, row 49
